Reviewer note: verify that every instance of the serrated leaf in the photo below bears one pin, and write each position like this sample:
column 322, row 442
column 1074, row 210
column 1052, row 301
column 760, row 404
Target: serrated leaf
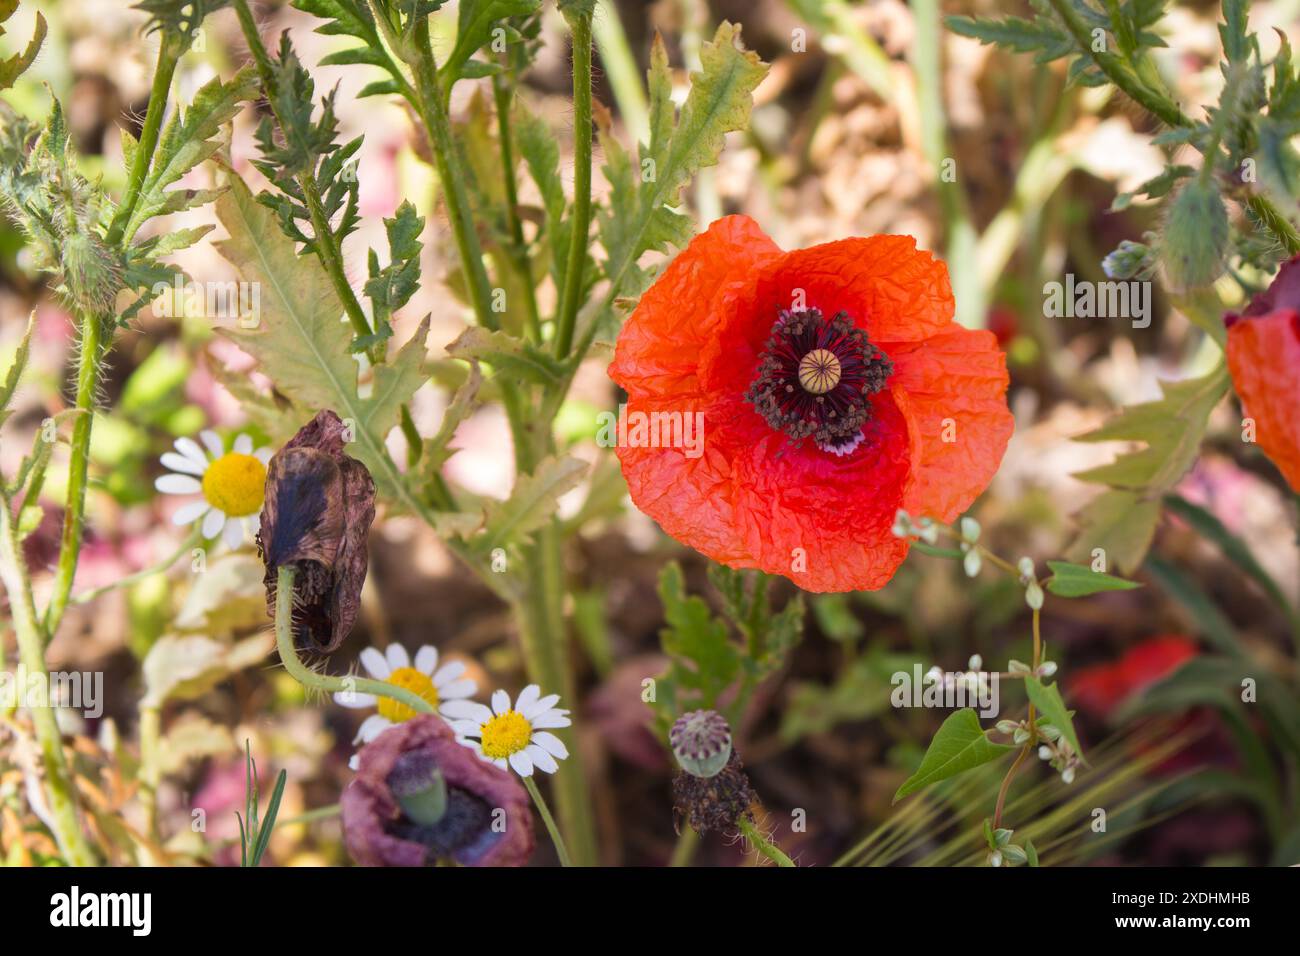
column 434, row 453
column 1121, row 524
column 1172, row 429
column 16, row 368
column 507, row 354
column 696, row 638
column 1075, row 580
column 638, row 218
column 532, row 502
column 17, row 64
column 958, row 746
column 189, row 139
column 475, row 22
column 1015, row 33
column 1047, row 698
column 302, row 343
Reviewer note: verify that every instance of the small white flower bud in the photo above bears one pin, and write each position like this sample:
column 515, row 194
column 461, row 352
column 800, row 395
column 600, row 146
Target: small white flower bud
column 1044, row 752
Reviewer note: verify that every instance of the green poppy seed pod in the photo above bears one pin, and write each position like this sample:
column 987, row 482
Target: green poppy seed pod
column 1195, row 236
column 701, row 742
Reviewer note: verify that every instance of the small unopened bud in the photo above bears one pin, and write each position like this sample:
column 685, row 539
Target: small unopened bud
column 1195, row 236
column 1044, row 752
column 1127, row 260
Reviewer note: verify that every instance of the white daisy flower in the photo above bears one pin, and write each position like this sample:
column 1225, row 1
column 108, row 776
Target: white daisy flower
column 516, row 736
column 231, row 484
column 440, row 686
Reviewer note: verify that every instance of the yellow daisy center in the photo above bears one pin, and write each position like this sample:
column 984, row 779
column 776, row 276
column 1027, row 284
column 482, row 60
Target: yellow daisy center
column 234, row 484
column 418, row 683
column 506, row 734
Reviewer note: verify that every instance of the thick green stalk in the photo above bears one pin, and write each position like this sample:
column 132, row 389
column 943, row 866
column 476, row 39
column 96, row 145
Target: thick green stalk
column 92, row 328
column 433, row 116
column 501, row 94
column 545, row 648
column 580, row 218
column 169, row 54
column 65, row 818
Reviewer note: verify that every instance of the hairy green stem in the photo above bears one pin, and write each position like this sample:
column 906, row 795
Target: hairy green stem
column 92, row 328
column 560, row 849
column 580, row 218
column 65, row 818
column 762, row 844
column 501, row 94
column 169, row 54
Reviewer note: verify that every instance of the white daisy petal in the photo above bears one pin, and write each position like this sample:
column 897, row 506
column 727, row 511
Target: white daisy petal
column 457, row 689
column 191, row 450
column 467, row 710
column 375, row 663
column 178, row 484
column 541, row 759
column 355, row 763
column 501, row 762
column 448, row 672
column 552, row 744
column 500, row 702
column 522, row 763
column 253, row 523
column 552, row 718
column 243, row 444
column 173, row 461
column 397, row 656
column 353, row 699
column 527, row 697
column 370, row 728
column 541, row 706
column 213, row 522
column 233, row 533
column 426, row 660
column 263, row 455
column 212, row 442
column 190, row 511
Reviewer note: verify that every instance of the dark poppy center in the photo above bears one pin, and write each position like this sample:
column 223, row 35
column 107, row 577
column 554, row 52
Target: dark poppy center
column 816, row 378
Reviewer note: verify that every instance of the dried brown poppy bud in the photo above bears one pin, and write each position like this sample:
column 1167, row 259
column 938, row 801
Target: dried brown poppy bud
column 420, row 796
column 315, row 517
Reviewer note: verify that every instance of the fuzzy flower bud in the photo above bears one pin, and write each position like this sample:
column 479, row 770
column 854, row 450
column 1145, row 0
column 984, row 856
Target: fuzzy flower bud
column 1195, row 236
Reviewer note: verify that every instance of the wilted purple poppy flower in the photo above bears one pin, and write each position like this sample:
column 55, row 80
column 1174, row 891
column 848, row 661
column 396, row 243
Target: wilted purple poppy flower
column 316, row 515
column 419, row 796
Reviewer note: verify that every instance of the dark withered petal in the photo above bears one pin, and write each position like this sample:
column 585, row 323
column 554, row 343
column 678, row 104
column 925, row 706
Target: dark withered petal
column 316, row 515
column 472, row 832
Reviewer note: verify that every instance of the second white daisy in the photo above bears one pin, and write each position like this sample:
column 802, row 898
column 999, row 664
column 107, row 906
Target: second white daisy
column 440, row 686
column 515, row 736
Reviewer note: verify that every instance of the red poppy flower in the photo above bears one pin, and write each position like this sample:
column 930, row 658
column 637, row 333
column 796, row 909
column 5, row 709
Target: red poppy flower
column 833, row 388
column 1263, row 355
column 1101, row 688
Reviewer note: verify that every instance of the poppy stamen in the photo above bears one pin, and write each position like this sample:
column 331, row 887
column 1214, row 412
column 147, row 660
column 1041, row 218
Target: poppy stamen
column 816, row 378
